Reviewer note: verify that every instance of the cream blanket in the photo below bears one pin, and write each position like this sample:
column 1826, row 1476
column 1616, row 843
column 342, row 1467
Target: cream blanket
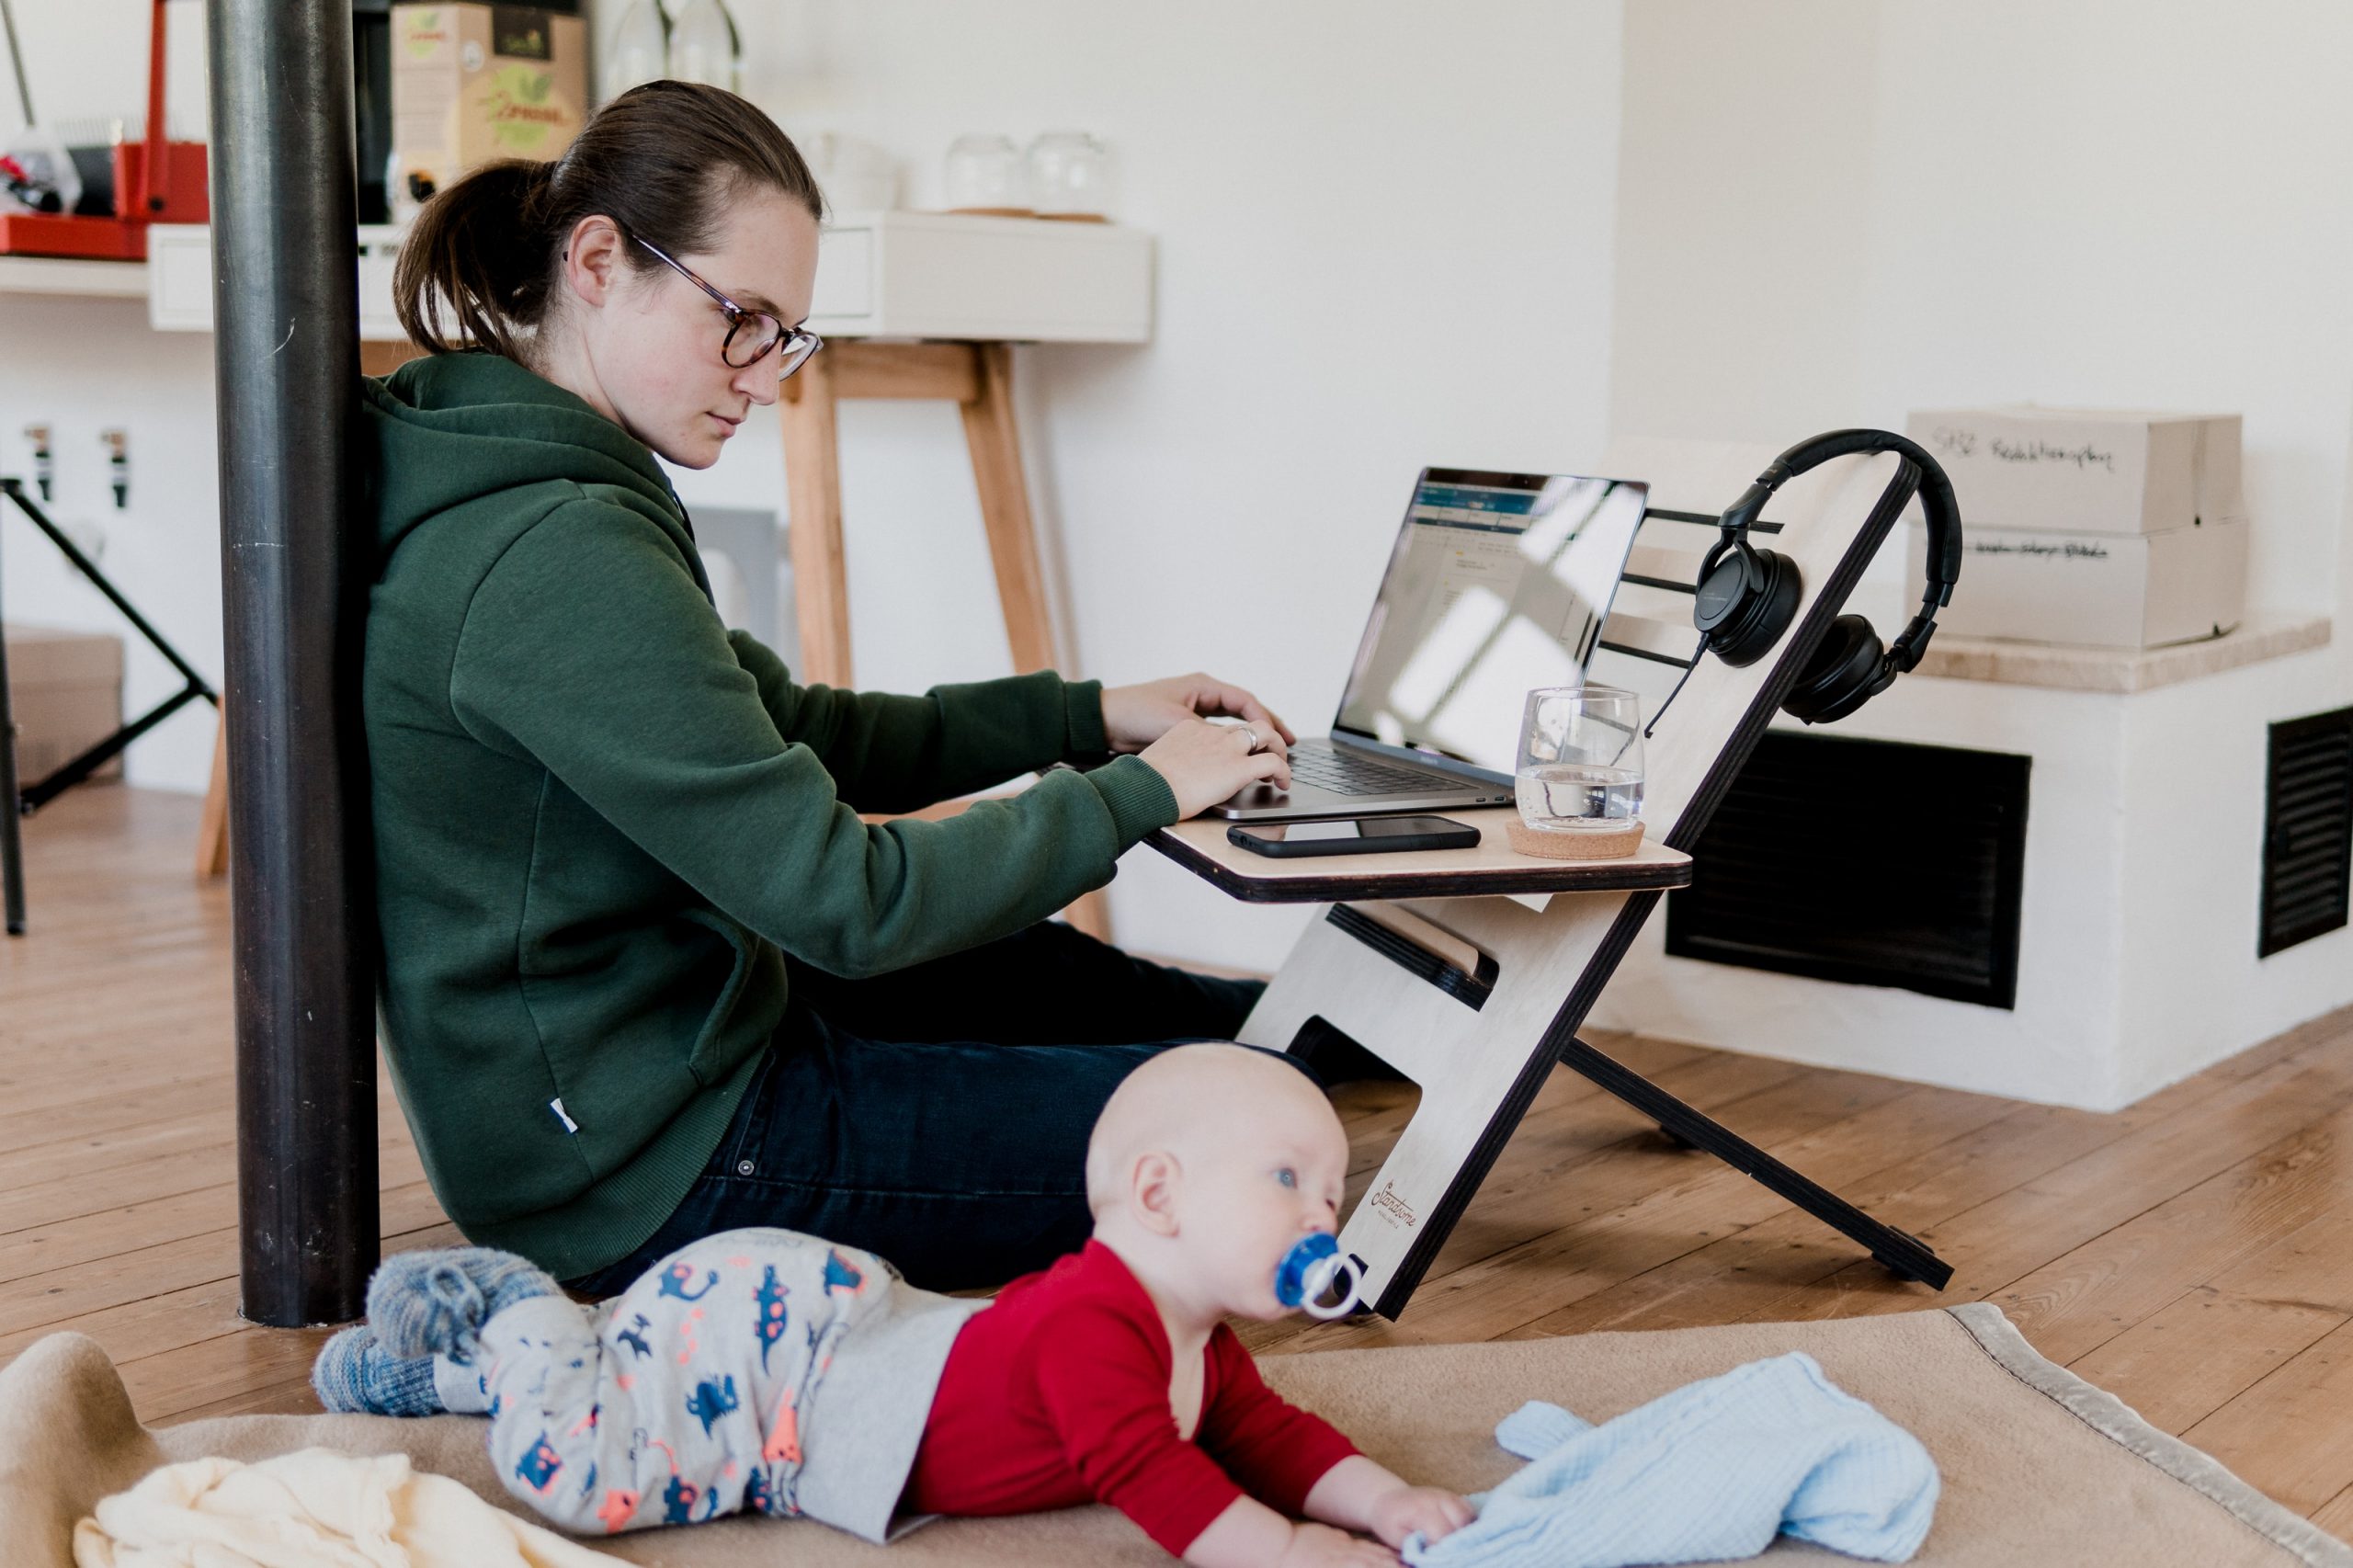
column 312, row 1509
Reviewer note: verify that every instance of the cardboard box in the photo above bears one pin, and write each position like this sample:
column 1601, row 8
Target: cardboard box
column 2104, row 590
column 2085, row 471
column 474, row 83
column 66, row 695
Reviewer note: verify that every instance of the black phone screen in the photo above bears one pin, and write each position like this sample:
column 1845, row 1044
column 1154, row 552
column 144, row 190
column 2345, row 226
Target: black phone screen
column 1351, row 829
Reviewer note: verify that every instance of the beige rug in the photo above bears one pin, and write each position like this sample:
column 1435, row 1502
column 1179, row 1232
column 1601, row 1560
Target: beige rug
column 2040, row 1466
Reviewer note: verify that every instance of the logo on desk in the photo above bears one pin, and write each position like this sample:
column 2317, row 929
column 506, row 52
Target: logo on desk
column 1392, row 1207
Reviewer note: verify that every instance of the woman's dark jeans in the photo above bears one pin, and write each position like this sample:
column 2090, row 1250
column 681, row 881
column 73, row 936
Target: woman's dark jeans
column 937, row 1116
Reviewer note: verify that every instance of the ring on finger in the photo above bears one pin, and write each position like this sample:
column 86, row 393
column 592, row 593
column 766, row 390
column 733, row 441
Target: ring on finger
column 1251, row 732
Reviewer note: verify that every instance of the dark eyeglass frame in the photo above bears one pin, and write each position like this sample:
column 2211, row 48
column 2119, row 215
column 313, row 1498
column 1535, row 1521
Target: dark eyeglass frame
column 796, row 344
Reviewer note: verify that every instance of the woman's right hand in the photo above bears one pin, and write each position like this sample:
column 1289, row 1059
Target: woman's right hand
column 1205, row 762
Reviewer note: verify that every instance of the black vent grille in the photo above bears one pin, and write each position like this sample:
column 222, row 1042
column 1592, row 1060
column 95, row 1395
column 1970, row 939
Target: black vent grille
column 2307, row 829
column 1871, row 862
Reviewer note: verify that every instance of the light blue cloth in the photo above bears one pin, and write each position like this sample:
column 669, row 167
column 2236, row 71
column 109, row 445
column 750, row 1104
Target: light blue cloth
column 1713, row 1470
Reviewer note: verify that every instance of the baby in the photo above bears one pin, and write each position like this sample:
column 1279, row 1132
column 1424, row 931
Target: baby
column 765, row 1370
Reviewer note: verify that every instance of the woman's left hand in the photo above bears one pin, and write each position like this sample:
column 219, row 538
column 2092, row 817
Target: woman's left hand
column 1135, row 716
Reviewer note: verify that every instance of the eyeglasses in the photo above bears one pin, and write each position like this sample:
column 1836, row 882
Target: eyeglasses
column 752, row 336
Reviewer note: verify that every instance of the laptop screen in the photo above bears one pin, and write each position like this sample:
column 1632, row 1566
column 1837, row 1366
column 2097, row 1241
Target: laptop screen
column 1499, row 584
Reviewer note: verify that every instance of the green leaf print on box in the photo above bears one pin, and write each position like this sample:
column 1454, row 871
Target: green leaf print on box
column 518, row 109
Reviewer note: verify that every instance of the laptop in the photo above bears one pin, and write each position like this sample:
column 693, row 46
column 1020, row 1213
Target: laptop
column 1499, row 583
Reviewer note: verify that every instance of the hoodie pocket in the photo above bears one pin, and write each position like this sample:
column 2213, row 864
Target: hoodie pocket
column 717, row 1051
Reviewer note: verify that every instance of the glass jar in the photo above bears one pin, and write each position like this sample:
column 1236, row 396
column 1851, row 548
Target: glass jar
column 1070, row 176
column 703, row 47
column 986, row 174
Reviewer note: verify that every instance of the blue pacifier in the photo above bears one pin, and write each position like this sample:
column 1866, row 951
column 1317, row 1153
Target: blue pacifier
column 1310, row 1270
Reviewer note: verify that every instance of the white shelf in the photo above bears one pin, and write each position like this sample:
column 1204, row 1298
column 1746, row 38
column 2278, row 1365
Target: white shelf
column 957, row 275
column 879, row 274
column 2074, row 668
column 62, row 275
column 179, row 294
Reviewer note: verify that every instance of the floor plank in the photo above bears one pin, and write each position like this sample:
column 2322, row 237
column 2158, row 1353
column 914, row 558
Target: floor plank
column 2193, row 1253
column 2289, row 1435
column 2180, row 1364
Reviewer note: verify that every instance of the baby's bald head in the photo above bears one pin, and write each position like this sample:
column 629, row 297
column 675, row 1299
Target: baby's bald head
column 1199, row 1103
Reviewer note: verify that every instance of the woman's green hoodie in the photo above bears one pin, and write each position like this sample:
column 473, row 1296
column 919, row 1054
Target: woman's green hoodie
column 601, row 818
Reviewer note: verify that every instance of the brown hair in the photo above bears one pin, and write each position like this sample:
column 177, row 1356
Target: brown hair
column 662, row 161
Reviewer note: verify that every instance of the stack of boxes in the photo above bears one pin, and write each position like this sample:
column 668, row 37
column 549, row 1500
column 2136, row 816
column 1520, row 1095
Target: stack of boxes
column 66, row 695
column 2110, row 529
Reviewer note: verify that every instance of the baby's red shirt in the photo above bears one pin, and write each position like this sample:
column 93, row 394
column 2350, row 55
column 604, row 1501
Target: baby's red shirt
column 1057, row 1394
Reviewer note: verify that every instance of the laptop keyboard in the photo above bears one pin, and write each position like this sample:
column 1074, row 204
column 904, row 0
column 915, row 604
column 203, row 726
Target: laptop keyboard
column 1345, row 773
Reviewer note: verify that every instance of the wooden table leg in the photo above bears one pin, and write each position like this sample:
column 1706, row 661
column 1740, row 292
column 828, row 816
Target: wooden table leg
column 992, row 435
column 812, row 483
column 212, row 828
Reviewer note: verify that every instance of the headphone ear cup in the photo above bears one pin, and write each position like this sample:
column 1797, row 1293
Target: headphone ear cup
column 1760, row 610
column 1848, row 670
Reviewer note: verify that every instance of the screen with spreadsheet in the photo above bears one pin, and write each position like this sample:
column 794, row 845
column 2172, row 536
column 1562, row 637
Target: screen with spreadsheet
column 1499, row 584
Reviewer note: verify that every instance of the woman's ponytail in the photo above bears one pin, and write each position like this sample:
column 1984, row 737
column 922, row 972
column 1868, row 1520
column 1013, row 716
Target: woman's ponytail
column 662, row 160
column 479, row 250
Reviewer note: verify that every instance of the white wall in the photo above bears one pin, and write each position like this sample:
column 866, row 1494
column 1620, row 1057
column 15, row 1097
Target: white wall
column 86, row 61
column 1744, row 214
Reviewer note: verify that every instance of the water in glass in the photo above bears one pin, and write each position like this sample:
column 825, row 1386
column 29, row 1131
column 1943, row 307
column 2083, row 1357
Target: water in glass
column 1579, row 794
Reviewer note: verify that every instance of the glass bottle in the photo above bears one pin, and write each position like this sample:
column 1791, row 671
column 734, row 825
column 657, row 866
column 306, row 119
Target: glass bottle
column 640, row 49
column 703, row 47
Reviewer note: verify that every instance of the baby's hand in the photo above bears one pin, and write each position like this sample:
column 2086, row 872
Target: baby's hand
column 1398, row 1514
column 1320, row 1546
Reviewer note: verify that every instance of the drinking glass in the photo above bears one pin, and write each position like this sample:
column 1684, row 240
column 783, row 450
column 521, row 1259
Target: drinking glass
column 1580, row 758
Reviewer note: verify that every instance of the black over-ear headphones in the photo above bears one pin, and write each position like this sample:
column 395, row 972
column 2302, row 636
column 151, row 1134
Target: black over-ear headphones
column 1747, row 597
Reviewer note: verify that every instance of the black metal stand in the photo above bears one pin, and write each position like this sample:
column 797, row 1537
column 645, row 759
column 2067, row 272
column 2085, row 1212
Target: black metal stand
column 1905, row 1256
column 12, row 865
column 14, row 800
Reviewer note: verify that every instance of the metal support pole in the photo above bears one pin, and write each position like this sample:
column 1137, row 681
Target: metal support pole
column 294, row 556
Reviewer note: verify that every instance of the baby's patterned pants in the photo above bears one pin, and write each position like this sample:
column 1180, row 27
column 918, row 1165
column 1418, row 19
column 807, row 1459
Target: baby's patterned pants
column 685, row 1397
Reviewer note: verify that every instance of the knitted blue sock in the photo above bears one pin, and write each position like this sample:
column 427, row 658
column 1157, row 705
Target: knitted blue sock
column 425, row 1303
column 356, row 1373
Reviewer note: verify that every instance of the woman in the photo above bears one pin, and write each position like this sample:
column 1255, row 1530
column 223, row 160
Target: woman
column 647, row 976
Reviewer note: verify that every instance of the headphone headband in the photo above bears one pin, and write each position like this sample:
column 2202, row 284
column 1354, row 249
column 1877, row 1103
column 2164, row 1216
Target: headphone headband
column 1936, row 503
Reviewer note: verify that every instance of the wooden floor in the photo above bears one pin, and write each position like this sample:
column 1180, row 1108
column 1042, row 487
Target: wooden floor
column 2193, row 1253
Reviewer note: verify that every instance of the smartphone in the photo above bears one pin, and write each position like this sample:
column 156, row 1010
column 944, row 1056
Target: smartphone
column 1353, row 835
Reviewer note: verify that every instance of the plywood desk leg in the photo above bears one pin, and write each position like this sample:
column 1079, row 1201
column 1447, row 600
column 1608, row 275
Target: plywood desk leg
column 212, row 827
column 813, row 479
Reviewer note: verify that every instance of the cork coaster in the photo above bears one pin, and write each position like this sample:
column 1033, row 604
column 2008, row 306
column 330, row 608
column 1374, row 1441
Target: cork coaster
column 1577, row 844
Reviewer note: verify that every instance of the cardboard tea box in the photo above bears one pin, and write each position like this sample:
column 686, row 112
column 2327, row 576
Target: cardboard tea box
column 2103, row 589
column 66, row 695
column 476, row 84
column 2085, row 471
